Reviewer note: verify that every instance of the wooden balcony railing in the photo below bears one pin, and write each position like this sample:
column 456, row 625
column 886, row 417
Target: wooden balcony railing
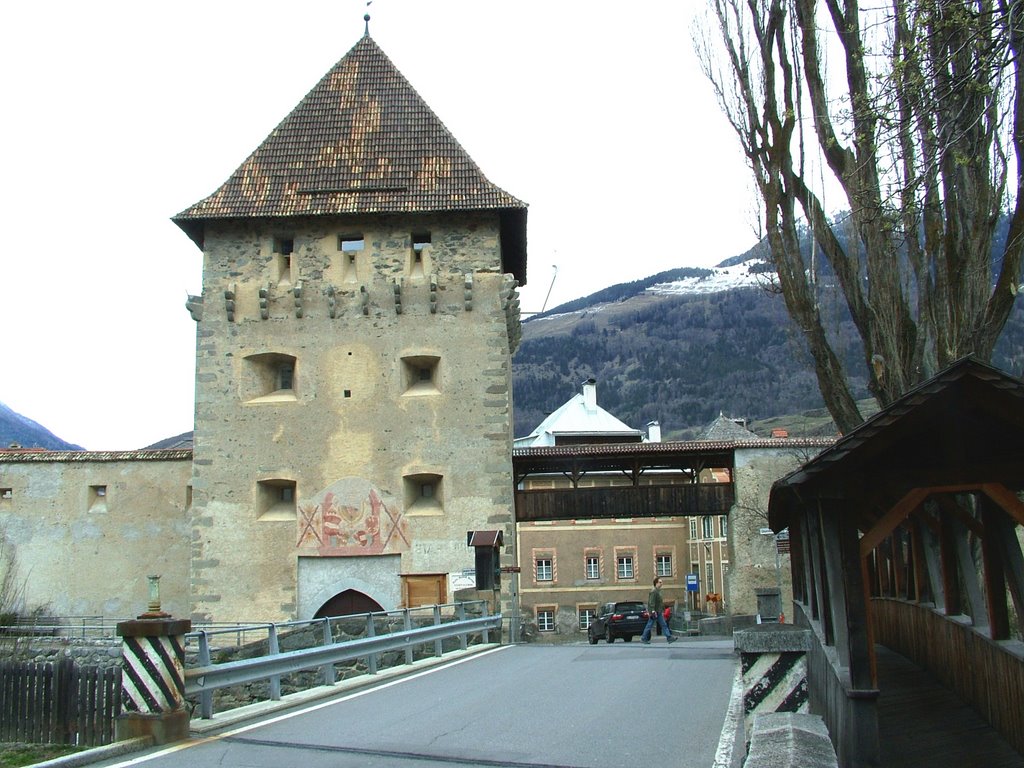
column 624, row 501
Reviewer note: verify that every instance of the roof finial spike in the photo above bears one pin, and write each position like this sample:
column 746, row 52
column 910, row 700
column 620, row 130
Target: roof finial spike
column 366, row 18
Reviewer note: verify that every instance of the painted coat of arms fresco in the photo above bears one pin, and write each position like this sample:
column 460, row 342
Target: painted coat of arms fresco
column 351, row 517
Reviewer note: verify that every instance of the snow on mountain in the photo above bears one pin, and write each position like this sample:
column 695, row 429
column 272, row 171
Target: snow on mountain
column 748, row 274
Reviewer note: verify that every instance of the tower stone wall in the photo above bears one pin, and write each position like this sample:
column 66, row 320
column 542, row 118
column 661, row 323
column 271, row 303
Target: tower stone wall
column 389, row 435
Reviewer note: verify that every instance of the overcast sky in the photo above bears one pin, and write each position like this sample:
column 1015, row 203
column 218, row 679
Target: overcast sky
column 118, row 115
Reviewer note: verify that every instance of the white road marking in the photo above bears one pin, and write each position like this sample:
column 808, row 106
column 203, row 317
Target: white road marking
column 295, row 713
column 733, row 719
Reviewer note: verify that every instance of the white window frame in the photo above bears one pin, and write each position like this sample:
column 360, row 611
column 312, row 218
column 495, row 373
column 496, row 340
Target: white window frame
column 545, row 619
column 661, row 559
column 592, row 567
column 709, row 527
column 586, row 616
column 723, row 526
column 622, row 562
column 544, row 568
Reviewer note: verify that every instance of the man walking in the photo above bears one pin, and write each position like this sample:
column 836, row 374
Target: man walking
column 656, row 611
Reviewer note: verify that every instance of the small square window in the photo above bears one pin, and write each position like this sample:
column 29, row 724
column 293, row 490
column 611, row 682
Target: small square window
column 284, row 245
column 6, row 494
column 420, row 375
column 546, row 620
column 424, row 494
column 276, row 499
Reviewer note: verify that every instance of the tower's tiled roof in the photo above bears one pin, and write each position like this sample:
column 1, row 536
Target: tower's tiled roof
column 362, row 141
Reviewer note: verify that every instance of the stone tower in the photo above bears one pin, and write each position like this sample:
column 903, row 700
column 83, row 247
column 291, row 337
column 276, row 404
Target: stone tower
column 353, row 358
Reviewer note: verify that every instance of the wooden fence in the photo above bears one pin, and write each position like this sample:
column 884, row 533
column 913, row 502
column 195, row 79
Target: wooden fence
column 58, row 703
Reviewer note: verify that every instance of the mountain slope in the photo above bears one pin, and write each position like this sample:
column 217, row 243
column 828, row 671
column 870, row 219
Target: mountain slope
column 682, row 346
column 20, row 430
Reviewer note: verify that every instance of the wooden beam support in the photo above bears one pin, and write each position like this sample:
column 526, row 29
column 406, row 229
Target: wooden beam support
column 952, row 603
column 896, row 515
column 952, row 507
column 994, row 573
column 969, row 575
column 1006, row 499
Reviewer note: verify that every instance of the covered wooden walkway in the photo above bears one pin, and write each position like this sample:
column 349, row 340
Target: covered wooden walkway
column 907, row 533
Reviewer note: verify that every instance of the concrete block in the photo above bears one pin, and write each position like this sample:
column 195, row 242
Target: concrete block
column 789, row 739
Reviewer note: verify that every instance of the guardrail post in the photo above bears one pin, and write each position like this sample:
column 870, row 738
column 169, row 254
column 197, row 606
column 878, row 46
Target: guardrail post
column 460, row 614
column 327, row 670
column 371, row 660
column 487, row 612
column 438, row 644
column 274, row 648
column 206, row 697
column 407, row 625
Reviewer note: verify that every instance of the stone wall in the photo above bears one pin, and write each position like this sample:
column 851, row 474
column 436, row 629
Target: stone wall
column 753, row 561
column 77, row 551
column 402, row 380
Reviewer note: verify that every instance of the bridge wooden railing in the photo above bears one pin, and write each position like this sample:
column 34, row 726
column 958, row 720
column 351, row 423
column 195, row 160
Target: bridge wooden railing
column 986, row 673
column 624, row 502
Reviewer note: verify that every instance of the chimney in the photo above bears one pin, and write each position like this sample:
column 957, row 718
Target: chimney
column 653, row 432
column 590, row 394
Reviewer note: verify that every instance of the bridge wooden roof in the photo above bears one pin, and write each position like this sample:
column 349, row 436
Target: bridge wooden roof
column 963, row 427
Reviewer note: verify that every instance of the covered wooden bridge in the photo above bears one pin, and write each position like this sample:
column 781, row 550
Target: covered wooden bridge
column 907, row 533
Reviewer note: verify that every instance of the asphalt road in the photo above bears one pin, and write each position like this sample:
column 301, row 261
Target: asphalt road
column 568, row 706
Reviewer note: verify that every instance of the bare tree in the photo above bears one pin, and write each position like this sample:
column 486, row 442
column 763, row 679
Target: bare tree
column 919, row 132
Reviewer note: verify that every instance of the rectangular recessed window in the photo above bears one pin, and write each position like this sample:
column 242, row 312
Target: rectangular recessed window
column 624, row 565
column 709, row 527
column 424, row 494
column 6, row 494
column 97, row 498
column 546, row 619
column 709, row 577
column 420, row 375
column 593, row 567
column 269, row 377
column 663, row 564
column 693, row 527
column 587, row 615
column 418, row 264
column 723, row 526
column 283, row 248
column 275, row 499
column 543, row 569
column 350, row 243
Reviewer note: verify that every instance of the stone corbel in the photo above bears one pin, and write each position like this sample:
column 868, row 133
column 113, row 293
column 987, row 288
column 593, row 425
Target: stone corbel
column 229, row 302
column 264, row 301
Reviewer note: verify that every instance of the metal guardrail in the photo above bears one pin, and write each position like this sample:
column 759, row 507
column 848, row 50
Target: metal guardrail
column 207, row 677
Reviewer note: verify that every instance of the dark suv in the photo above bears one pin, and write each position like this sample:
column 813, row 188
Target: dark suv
column 625, row 619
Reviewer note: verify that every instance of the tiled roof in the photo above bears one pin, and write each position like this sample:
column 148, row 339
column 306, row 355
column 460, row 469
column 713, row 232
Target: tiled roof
column 362, row 141
column 14, row 455
column 724, row 428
